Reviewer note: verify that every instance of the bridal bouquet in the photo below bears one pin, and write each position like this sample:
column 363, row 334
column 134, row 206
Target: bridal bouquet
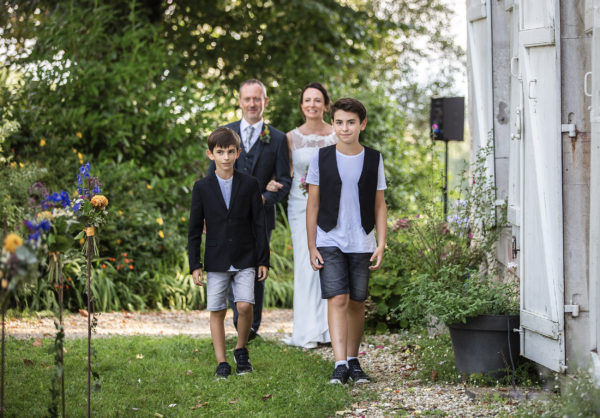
column 303, row 186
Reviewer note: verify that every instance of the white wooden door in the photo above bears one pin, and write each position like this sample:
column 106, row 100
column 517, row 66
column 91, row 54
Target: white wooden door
column 593, row 87
column 480, row 61
column 516, row 132
column 542, row 282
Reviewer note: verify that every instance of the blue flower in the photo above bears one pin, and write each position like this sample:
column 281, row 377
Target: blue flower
column 97, row 190
column 64, row 199
column 34, row 237
column 44, row 225
column 77, row 206
column 84, row 170
column 29, row 225
column 79, row 180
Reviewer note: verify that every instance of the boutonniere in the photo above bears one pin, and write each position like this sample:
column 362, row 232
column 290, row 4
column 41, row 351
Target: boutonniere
column 265, row 135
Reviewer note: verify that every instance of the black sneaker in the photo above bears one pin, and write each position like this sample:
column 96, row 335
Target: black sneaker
column 242, row 360
column 340, row 375
column 223, row 370
column 357, row 375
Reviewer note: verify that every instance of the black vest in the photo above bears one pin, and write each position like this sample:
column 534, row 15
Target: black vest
column 330, row 189
column 245, row 162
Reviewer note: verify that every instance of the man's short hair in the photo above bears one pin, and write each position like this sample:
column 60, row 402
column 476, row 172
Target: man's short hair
column 254, row 81
column 349, row 104
column 223, row 137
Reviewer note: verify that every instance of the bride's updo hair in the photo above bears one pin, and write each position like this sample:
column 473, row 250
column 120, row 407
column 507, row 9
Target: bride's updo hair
column 318, row 86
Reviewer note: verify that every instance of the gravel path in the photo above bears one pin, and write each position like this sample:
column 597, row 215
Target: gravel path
column 397, row 392
column 275, row 323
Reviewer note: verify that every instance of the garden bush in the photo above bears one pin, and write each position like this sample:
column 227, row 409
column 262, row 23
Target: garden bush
column 135, row 87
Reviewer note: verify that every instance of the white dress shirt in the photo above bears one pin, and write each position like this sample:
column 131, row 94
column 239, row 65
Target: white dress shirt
column 249, row 142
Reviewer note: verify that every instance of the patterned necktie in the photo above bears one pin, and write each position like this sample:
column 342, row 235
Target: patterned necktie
column 249, row 132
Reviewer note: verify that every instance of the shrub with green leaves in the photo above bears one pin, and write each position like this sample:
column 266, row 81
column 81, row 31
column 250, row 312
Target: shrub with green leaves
column 450, row 262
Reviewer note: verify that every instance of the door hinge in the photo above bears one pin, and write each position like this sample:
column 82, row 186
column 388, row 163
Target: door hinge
column 570, row 128
column 515, row 249
column 572, row 309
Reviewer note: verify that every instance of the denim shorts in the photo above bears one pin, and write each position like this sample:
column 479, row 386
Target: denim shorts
column 217, row 286
column 344, row 273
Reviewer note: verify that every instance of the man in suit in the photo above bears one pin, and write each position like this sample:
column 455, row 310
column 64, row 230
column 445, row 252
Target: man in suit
column 264, row 156
column 230, row 204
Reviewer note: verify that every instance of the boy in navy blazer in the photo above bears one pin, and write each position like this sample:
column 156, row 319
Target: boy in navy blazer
column 236, row 248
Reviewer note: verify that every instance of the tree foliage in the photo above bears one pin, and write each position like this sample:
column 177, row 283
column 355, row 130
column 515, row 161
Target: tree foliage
column 135, row 86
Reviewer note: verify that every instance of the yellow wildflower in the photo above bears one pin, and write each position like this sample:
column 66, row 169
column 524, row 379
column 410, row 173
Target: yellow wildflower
column 161, row 234
column 120, row 212
column 4, row 283
column 118, row 241
column 80, row 156
column 148, row 186
column 159, row 221
column 81, row 241
column 13, row 164
column 12, row 242
column 99, row 202
column 44, row 215
column 183, row 219
column 75, row 193
column 42, row 142
column 74, row 151
column 78, row 135
column 21, row 165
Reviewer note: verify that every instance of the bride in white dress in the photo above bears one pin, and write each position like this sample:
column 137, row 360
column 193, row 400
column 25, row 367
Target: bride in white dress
column 310, row 310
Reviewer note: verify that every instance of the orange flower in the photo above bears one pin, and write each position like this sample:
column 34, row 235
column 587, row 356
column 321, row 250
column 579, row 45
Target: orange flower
column 124, row 254
column 99, row 202
column 131, row 267
column 12, row 242
column 44, row 215
column 103, row 266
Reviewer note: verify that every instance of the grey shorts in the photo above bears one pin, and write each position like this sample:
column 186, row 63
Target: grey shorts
column 217, row 286
column 344, row 273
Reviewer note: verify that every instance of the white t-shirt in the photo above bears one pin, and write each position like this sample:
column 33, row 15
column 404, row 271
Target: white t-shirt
column 348, row 235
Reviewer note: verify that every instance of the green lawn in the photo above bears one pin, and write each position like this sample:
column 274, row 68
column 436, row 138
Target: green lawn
column 144, row 376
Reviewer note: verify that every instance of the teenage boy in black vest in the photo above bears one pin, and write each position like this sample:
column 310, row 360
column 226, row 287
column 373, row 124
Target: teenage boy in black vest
column 264, row 156
column 345, row 203
column 236, row 248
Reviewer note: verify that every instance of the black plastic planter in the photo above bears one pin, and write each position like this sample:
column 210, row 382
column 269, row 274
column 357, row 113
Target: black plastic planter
column 485, row 343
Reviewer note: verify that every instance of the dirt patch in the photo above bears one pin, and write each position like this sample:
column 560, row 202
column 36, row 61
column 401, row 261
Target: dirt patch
column 276, row 323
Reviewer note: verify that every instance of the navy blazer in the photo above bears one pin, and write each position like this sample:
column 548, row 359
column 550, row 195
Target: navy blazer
column 273, row 161
column 234, row 237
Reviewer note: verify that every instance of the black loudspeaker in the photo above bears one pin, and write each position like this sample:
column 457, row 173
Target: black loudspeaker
column 447, row 118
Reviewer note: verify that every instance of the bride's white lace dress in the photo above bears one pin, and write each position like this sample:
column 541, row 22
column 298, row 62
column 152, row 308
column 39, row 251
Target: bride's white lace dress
column 310, row 311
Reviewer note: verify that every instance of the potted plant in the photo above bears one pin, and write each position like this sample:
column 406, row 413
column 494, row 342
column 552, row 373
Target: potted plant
column 454, row 276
